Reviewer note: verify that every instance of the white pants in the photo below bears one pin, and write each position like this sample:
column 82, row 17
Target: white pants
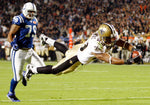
column 19, row 58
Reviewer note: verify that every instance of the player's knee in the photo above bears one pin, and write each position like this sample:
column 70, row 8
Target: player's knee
column 17, row 78
column 55, row 72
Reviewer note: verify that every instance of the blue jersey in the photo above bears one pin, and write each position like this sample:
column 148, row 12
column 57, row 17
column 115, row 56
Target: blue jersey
column 24, row 37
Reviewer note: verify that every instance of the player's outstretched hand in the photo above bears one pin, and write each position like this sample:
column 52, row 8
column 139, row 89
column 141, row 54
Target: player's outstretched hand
column 135, row 57
column 129, row 61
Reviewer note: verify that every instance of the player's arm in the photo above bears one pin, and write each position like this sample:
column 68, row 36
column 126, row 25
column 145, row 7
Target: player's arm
column 124, row 44
column 14, row 28
column 107, row 58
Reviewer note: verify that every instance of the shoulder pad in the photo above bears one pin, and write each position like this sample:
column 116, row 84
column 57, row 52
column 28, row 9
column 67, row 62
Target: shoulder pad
column 18, row 20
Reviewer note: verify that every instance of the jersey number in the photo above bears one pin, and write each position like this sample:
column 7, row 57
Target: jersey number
column 30, row 29
column 85, row 46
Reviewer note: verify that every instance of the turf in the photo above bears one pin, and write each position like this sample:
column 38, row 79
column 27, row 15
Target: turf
column 93, row 84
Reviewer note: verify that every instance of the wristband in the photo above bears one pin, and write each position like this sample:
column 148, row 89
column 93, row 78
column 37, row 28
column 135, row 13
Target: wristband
column 109, row 59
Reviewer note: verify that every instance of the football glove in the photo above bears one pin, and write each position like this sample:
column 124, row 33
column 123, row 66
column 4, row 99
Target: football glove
column 129, row 61
column 15, row 46
column 136, row 56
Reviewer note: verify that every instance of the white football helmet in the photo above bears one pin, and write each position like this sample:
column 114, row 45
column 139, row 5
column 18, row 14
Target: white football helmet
column 29, row 10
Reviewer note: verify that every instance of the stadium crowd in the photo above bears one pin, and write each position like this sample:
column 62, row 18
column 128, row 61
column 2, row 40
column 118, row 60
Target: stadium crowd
column 130, row 17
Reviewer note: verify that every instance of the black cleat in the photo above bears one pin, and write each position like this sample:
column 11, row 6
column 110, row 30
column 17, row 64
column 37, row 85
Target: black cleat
column 24, row 82
column 12, row 97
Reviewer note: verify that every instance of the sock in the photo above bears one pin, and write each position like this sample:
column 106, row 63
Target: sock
column 45, row 70
column 13, row 85
column 34, row 70
column 50, row 41
column 60, row 47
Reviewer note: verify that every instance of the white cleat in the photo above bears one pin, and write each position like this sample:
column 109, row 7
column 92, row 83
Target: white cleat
column 29, row 72
column 46, row 40
column 43, row 39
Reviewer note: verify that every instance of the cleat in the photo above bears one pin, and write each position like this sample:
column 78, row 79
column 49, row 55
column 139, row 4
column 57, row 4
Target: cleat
column 43, row 39
column 12, row 97
column 29, row 72
column 24, row 82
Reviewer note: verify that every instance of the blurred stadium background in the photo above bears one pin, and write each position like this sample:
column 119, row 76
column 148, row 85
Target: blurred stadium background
column 130, row 17
column 96, row 84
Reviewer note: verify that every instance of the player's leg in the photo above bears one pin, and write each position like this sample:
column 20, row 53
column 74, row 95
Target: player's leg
column 64, row 65
column 67, row 64
column 59, row 46
column 36, row 60
column 17, row 66
column 50, row 69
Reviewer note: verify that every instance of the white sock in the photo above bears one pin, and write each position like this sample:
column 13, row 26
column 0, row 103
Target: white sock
column 50, row 41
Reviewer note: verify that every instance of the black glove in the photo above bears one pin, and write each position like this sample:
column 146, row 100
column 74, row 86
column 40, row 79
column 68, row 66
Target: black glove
column 136, row 56
column 129, row 61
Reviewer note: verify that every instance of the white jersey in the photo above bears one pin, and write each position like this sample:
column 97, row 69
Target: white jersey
column 93, row 44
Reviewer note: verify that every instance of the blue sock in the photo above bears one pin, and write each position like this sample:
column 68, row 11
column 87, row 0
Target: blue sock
column 13, row 85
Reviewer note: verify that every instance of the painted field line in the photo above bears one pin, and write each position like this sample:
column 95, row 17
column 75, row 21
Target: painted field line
column 92, row 71
column 84, row 99
column 95, row 81
column 118, row 65
column 92, row 88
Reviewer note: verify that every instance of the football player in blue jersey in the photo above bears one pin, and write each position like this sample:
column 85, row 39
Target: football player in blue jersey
column 21, row 34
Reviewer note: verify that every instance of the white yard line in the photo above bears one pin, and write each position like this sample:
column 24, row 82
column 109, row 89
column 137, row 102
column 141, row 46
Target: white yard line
column 92, row 71
column 118, row 65
column 83, row 99
column 92, row 88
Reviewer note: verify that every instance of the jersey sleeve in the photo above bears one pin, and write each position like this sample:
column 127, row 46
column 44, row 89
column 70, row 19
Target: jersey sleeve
column 116, row 35
column 36, row 21
column 18, row 20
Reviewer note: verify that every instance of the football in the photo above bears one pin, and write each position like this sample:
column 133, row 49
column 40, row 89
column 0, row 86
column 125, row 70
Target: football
column 136, row 54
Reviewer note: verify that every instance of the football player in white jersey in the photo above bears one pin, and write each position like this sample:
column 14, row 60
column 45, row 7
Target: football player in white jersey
column 95, row 47
column 21, row 36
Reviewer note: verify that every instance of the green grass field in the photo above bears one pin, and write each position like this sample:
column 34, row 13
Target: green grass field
column 93, row 84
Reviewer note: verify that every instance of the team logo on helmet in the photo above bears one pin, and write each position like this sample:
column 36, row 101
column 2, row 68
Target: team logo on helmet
column 102, row 31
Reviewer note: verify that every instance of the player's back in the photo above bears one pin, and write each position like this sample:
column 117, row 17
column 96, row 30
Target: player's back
column 92, row 45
